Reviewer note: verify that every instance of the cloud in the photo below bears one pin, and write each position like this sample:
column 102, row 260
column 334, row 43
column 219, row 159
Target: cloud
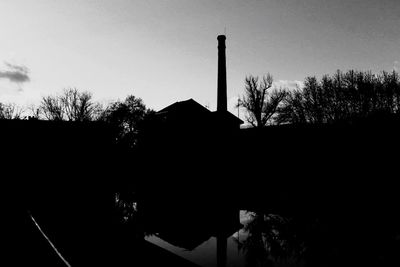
column 15, row 73
column 288, row 84
column 12, row 76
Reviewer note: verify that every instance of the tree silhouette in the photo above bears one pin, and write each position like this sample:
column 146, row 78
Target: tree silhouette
column 260, row 103
column 79, row 106
column 127, row 118
column 10, row 111
column 71, row 105
column 52, row 109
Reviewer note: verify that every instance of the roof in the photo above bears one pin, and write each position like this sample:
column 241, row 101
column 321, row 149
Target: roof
column 184, row 106
column 196, row 112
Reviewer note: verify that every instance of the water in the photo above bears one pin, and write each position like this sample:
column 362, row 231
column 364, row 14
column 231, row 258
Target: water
column 205, row 254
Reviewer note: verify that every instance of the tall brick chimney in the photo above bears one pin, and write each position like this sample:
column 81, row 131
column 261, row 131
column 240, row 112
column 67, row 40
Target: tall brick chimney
column 221, row 86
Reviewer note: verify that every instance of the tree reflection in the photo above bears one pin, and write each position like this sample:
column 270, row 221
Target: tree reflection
column 272, row 240
column 126, row 207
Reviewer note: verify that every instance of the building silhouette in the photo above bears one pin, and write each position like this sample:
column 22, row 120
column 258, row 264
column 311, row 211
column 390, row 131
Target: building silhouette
column 191, row 114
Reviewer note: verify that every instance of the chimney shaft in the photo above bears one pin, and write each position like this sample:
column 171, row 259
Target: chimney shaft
column 221, row 86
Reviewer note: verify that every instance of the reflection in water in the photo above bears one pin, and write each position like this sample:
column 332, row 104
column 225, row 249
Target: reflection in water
column 270, row 240
column 126, row 206
column 205, row 254
column 215, row 251
column 265, row 240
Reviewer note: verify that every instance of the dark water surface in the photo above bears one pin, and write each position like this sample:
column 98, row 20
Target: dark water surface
column 206, row 253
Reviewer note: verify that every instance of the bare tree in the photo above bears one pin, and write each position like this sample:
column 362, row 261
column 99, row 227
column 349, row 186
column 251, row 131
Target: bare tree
column 292, row 109
column 10, row 111
column 72, row 105
column 52, row 108
column 260, row 103
column 79, row 106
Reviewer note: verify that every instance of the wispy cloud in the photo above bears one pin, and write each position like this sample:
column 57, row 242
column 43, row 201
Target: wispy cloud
column 288, row 84
column 12, row 78
column 15, row 73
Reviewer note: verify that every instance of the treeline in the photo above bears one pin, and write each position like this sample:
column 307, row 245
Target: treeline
column 341, row 97
column 71, row 104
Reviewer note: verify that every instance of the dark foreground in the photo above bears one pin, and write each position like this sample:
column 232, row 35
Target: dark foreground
column 329, row 200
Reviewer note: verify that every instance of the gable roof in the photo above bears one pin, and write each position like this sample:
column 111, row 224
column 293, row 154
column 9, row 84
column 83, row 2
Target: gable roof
column 191, row 111
column 184, row 106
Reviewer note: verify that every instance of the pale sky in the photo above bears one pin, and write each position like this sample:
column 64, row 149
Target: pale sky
column 166, row 51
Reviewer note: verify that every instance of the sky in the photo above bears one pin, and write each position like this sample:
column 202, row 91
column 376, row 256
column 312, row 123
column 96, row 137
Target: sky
column 166, row 51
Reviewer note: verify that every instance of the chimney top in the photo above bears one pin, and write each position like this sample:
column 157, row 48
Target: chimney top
column 221, row 37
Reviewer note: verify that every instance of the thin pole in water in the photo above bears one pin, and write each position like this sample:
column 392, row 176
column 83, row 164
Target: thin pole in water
column 48, row 240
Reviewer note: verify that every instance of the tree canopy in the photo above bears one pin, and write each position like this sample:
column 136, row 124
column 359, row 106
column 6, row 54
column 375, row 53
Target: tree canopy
column 127, row 117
